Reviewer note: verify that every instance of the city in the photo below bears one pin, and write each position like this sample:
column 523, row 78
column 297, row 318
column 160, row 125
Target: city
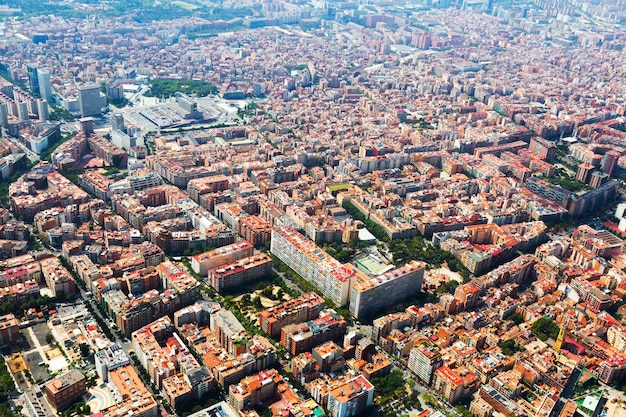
column 310, row 208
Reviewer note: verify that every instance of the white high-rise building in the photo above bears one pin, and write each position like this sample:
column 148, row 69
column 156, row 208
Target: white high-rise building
column 42, row 110
column 4, row 115
column 621, row 218
column 45, row 88
column 333, row 278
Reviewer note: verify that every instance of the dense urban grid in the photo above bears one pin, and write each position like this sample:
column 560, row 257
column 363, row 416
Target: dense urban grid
column 306, row 208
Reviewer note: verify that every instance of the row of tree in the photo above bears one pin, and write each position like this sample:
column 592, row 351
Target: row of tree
column 417, row 248
column 377, row 230
column 31, row 302
column 7, row 385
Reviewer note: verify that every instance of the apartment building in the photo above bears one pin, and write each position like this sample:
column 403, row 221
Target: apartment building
column 132, row 394
column 9, row 330
column 63, row 390
column 203, row 262
column 301, row 337
column 377, row 293
column 313, row 264
column 297, row 310
column 253, row 390
column 239, row 272
column 424, row 359
column 351, row 398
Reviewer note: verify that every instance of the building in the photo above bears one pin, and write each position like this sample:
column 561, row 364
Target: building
column 542, row 147
column 612, row 369
column 375, row 294
column 107, row 151
column 35, row 404
column 498, row 401
column 240, row 272
column 608, row 162
column 24, row 272
column 304, row 308
column 212, row 184
column 131, row 313
column 9, row 163
column 58, row 279
column 90, row 100
column 480, row 408
column 585, row 202
column 312, row 263
column 351, row 398
column 328, row 357
column 4, row 115
column 454, row 384
column 255, row 230
column 302, row 337
column 424, row 359
column 620, row 214
column 43, row 82
column 221, row 409
column 253, row 390
column 584, row 172
column 133, row 399
column 96, row 183
column 212, row 259
column 229, row 332
column 198, row 313
column 170, row 364
column 9, row 330
column 33, row 79
column 62, row 391
column 110, row 359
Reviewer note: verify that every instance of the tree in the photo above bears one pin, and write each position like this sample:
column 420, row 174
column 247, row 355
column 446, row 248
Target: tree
column 430, row 400
column 516, row 318
column 510, row 347
column 545, row 328
column 49, row 338
column 160, row 87
column 268, row 292
column 389, row 386
column 448, row 287
column 462, row 411
column 84, row 350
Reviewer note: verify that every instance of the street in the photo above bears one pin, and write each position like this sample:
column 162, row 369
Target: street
column 29, row 153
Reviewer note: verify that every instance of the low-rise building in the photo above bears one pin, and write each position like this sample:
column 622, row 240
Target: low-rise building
column 62, row 391
column 301, row 337
column 240, row 272
column 351, row 398
column 297, row 310
column 203, row 262
column 132, row 397
column 9, row 330
column 253, row 390
column 110, row 359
